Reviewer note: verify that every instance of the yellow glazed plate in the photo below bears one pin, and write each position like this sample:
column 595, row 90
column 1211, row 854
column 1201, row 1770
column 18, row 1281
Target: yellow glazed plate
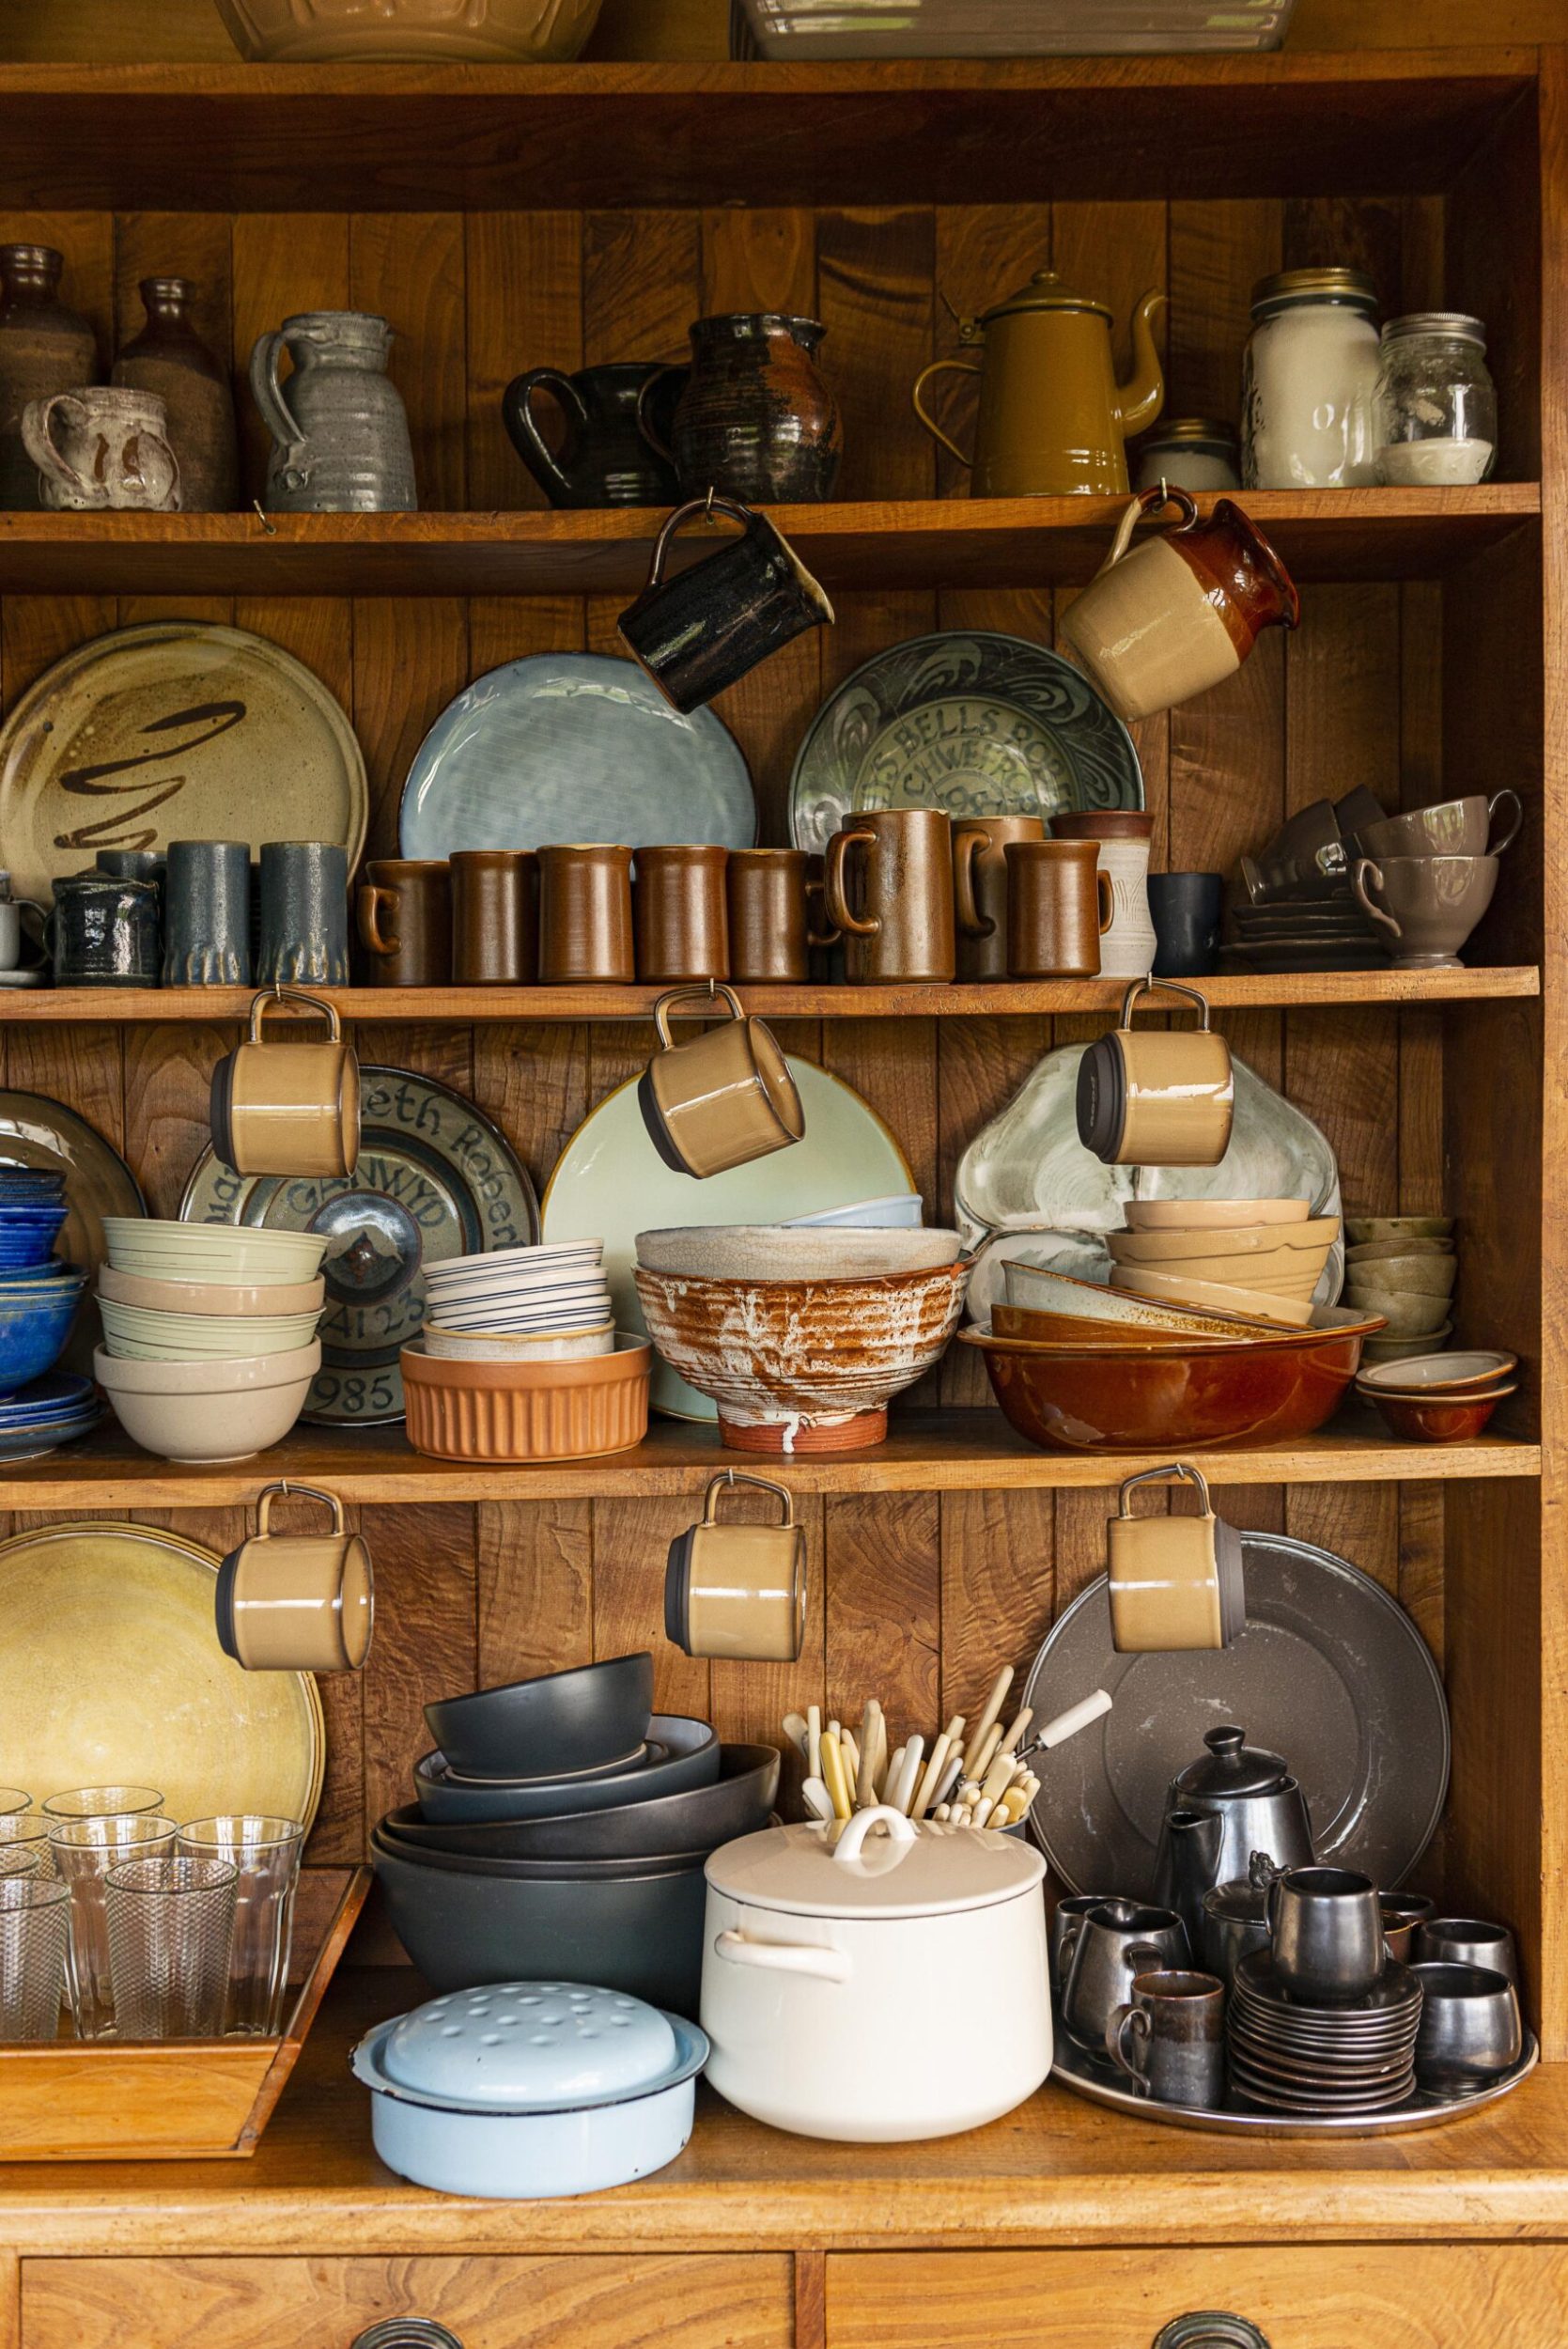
column 178, row 730
column 112, row 1674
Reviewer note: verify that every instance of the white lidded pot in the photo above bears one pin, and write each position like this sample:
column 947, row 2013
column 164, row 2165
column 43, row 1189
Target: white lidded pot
column 877, row 1980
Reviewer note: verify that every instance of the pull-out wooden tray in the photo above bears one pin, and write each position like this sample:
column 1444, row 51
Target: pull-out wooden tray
column 175, row 2099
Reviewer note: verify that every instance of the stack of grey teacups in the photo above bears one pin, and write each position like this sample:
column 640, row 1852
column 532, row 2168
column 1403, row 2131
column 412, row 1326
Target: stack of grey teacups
column 1428, row 876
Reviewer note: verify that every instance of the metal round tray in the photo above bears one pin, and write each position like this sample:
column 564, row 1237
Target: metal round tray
column 1089, row 2076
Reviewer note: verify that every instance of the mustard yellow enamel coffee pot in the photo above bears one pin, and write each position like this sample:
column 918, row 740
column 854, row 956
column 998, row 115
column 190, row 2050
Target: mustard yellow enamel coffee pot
column 1053, row 418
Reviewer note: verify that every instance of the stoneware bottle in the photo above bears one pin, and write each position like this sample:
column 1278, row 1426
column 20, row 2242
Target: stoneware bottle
column 340, row 434
column 169, row 358
column 44, row 348
column 756, row 421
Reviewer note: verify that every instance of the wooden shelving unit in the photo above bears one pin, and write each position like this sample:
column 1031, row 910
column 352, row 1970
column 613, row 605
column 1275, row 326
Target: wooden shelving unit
column 506, row 219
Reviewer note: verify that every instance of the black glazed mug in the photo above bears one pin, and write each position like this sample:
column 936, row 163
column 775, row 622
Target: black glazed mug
column 714, row 622
column 103, row 931
column 605, row 460
column 1185, row 908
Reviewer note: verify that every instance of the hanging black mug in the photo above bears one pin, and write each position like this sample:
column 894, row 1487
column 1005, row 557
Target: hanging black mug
column 711, row 624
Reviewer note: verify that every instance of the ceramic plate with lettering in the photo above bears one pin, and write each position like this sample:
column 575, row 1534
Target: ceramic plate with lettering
column 36, row 1131
column 609, row 1183
column 573, row 746
column 434, row 1179
column 178, row 730
column 977, row 723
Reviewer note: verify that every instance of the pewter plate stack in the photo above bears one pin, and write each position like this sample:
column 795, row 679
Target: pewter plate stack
column 807, row 29
column 1285, row 2056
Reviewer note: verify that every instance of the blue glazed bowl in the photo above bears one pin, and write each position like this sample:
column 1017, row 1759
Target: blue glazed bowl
column 33, row 1327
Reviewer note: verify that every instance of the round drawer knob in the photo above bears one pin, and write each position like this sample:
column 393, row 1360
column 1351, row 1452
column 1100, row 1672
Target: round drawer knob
column 407, row 2332
column 1209, row 2328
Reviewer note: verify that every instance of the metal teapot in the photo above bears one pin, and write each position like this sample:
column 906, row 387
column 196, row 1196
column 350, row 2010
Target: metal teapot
column 1235, row 1800
column 1053, row 417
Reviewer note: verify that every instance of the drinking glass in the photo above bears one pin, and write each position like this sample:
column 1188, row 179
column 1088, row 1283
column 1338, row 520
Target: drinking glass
column 12, row 1801
column 83, row 1851
column 104, row 1802
column 20, row 1860
column 266, row 1853
column 35, row 1913
column 170, row 1925
column 25, row 1831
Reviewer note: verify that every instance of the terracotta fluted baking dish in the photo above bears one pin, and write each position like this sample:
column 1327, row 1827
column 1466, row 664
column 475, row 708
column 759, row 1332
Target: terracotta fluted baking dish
column 527, row 1411
column 1112, row 1398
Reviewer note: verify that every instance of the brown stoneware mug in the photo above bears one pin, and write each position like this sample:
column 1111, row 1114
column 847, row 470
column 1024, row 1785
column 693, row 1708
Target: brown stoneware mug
column 1169, row 2038
column 288, row 1108
column 769, row 907
column 901, row 924
column 404, row 921
column 495, row 917
column 738, row 1591
column 711, row 624
column 980, row 846
column 721, row 1098
column 585, row 914
column 297, row 1602
column 681, row 914
column 1155, row 1096
column 1059, row 907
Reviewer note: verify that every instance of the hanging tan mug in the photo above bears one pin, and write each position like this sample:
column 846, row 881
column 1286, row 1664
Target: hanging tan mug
column 282, row 1108
column 1175, row 1581
column 1181, row 610
column 738, row 1591
column 1157, row 1097
column 722, row 1099
column 297, row 1602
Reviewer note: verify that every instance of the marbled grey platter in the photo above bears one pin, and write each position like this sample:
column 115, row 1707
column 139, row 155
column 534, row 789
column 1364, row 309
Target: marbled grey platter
column 573, row 747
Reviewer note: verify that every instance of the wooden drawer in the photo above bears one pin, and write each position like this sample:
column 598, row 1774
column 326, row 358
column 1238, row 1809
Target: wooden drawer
column 551, row 2303
column 1327, row 2296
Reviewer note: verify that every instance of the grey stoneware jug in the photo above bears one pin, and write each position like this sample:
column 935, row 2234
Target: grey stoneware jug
column 339, row 432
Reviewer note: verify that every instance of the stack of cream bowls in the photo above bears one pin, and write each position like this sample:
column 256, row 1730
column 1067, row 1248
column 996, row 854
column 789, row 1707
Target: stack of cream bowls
column 519, row 1305
column 1403, row 1267
column 209, row 1334
column 1260, row 1257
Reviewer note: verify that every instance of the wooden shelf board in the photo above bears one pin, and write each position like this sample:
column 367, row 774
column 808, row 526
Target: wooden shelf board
column 278, row 138
column 461, row 1005
column 915, row 543
column 966, row 1450
column 1056, row 2173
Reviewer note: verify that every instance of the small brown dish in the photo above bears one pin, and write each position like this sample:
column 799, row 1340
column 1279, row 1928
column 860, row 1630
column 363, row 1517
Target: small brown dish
column 1260, row 1390
column 1436, row 1419
column 552, row 1410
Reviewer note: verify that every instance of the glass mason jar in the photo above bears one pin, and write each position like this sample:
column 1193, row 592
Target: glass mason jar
column 1306, row 392
column 1194, row 451
column 1436, row 405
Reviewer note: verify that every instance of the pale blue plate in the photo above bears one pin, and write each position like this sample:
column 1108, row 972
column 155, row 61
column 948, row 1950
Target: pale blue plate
column 573, row 747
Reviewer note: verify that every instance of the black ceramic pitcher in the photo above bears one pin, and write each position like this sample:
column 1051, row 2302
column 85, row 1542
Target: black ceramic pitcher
column 604, row 459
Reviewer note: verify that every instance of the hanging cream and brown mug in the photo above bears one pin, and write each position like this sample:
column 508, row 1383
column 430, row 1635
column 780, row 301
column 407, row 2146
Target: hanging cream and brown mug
column 283, row 1107
column 1180, row 610
column 738, row 1591
column 297, row 1602
column 1175, row 1583
column 1157, row 1097
column 721, row 1098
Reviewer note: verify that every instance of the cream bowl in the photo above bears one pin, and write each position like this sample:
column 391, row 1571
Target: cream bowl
column 171, row 1250
column 1254, row 1243
column 1201, row 1215
column 1257, row 1305
column 198, row 1412
column 524, row 1345
column 130, row 1332
column 1443, row 1374
column 791, row 1252
column 209, row 1297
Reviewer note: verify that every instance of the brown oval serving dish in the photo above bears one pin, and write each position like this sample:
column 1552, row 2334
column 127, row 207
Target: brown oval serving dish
column 1087, row 1398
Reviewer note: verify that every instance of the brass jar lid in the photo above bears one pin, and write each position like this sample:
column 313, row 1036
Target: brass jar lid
column 1045, row 290
column 1288, row 287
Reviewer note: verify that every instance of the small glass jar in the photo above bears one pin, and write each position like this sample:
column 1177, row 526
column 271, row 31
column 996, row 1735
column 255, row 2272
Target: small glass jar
column 1193, row 451
column 1307, row 395
column 1436, row 405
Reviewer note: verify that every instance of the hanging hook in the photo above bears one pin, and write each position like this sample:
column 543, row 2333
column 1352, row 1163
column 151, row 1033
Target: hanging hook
column 269, row 526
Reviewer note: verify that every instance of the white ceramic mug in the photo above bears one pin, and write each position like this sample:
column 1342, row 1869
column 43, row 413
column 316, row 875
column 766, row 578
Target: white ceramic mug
column 103, row 446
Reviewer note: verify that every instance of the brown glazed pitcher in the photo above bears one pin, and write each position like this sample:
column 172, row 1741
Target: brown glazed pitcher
column 1059, row 907
column 757, row 420
column 404, row 911
column 680, row 914
column 495, row 917
column 980, row 846
column 902, row 925
column 585, row 914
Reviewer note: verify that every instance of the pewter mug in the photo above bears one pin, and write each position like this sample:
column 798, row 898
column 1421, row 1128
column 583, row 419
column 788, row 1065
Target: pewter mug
column 1062, row 1932
column 1169, row 2038
column 1470, row 2028
column 341, row 432
column 1466, row 1941
column 1112, row 1944
column 1328, row 1929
